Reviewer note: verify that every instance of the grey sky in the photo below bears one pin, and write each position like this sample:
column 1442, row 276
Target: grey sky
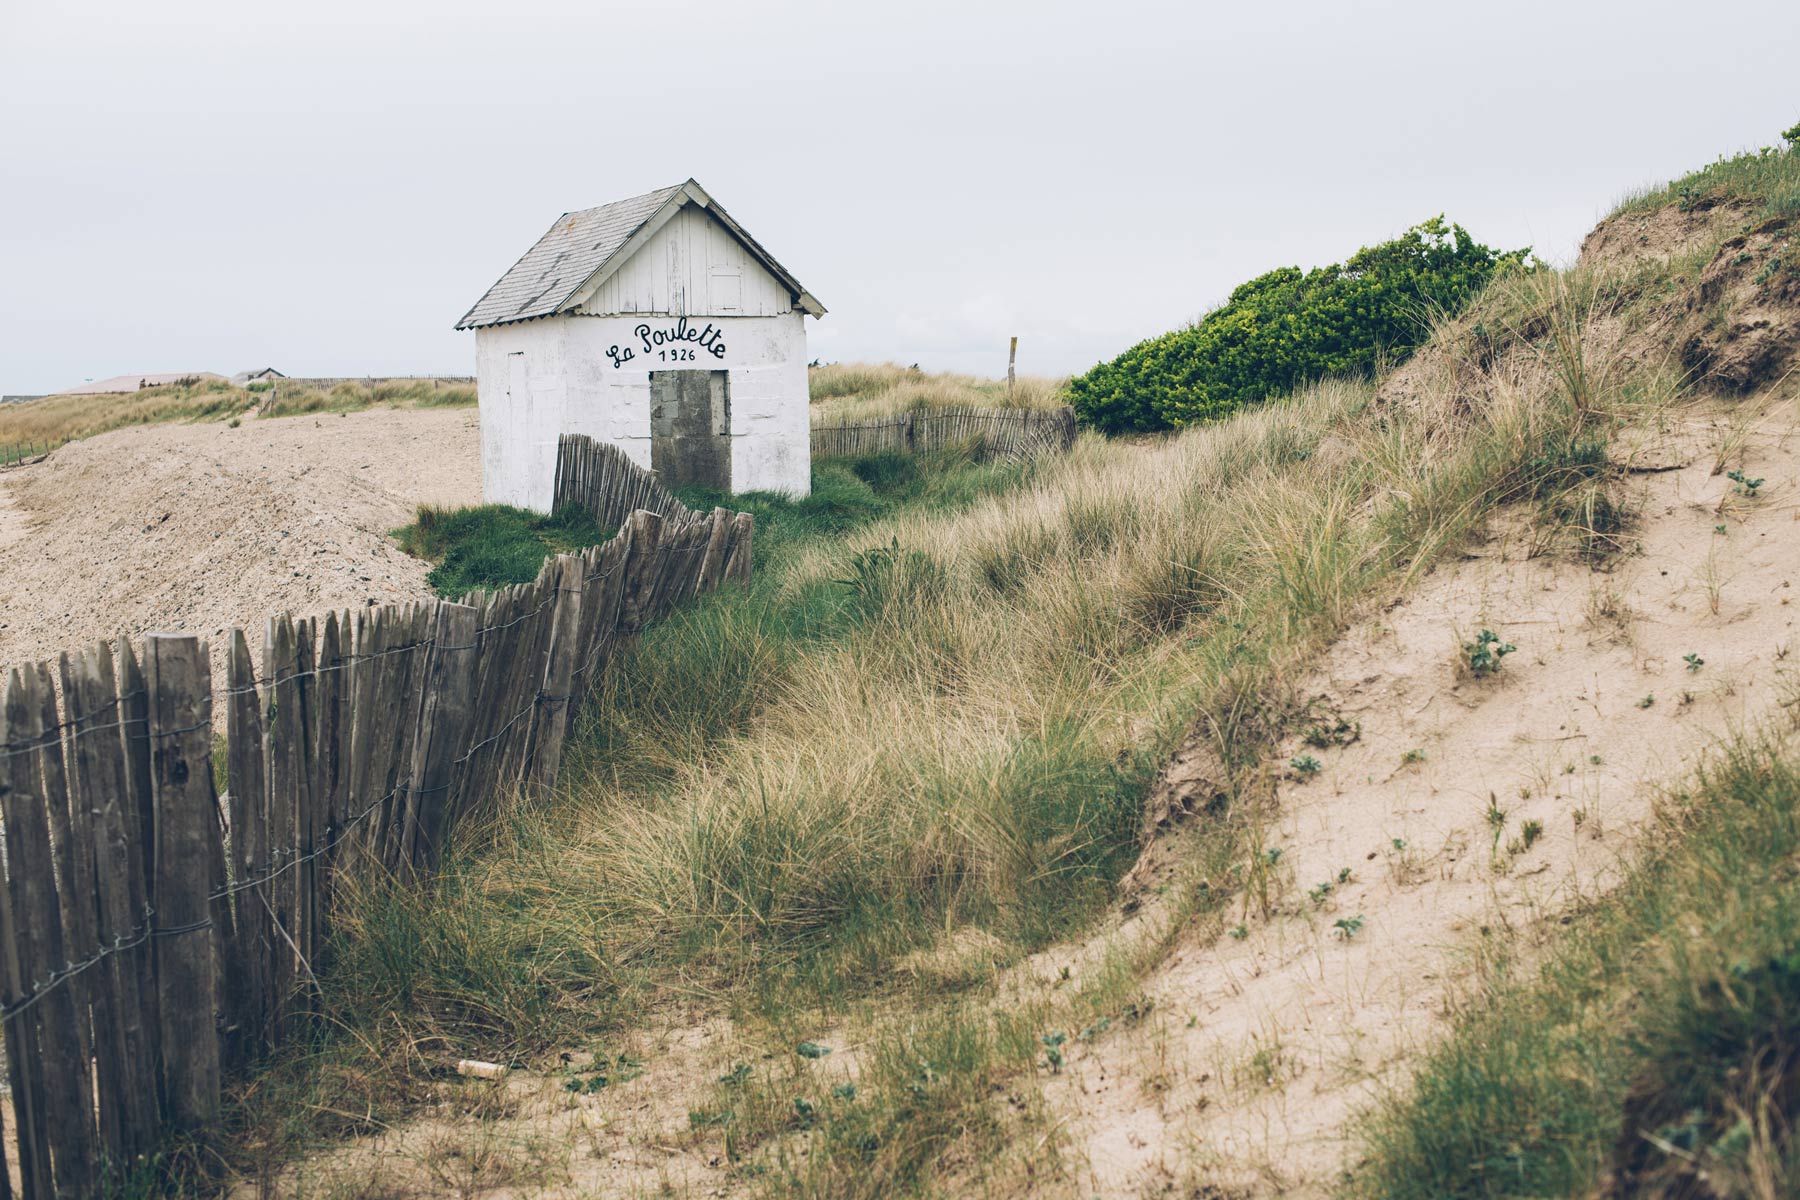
column 325, row 187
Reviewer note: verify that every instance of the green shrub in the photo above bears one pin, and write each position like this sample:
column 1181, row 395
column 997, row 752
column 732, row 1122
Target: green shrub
column 1289, row 327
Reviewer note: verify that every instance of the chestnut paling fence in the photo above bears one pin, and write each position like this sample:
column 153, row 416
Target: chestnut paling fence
column 156, row 936
column 1005, row 433
column 601, row 478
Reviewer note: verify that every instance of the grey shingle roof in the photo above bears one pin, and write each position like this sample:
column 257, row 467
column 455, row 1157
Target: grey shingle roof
column 576, row 246
column 582, row 243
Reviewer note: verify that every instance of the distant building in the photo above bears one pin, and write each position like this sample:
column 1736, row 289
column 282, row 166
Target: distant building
column 132, row 383
column 264, row 374
column 657, row 324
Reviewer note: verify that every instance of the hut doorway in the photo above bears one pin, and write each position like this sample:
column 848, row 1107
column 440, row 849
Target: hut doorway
column 690, row 428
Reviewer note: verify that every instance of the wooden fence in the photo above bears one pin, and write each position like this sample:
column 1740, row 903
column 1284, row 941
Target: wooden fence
column 156, row 936
column 602, row 479
column 25, row 452
column 1008, row 433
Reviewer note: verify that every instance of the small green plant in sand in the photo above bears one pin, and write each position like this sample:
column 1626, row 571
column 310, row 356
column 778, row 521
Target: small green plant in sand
column 1745, row 485
column 1325, row 727
column 1496, row 820
column 1482, row 656
column 1529, row 833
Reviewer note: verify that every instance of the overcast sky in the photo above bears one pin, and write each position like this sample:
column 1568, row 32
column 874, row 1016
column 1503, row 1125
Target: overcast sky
column 325, row 187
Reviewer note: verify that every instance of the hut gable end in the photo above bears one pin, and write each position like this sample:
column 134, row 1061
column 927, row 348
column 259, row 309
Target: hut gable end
column 692, row 266
column 672, row 251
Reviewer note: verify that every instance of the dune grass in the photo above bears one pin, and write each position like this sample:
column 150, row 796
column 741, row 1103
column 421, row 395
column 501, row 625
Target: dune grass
column 869, row 391
column 55, row 420
column 290, row 400
column 1768, row 177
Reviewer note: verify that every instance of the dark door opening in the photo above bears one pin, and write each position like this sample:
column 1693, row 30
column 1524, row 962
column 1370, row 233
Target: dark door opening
column 690, row 428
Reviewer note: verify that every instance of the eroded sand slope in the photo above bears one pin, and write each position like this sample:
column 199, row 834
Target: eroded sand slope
column 1268, row 1036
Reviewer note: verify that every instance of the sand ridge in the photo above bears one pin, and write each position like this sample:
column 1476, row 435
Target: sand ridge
column 200, row 528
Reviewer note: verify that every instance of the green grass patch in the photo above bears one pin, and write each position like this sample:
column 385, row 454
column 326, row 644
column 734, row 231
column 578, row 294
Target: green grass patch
column 1661, row 1037
column 493, row 545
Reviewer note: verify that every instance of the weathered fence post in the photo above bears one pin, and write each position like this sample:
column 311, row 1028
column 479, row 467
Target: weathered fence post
column 282, row 745
column 31, row 1052
column 187, row 835
column 643, row 530
column 552, row 716
column 442, row 734
column 712, row 563
column 738, row 565
column 123, row 1055
column 251, row 1009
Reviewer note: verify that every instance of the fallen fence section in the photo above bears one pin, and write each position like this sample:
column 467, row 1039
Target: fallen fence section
column 601, row 478
column 1004, row 433
column 154, row 935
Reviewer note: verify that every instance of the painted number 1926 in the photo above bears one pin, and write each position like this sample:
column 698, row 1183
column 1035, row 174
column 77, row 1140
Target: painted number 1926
column 678, row 354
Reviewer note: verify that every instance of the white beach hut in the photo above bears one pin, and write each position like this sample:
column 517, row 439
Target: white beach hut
column 656, row 324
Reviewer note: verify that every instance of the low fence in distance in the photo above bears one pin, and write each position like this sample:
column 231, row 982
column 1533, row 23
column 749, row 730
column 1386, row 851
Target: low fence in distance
column 26, row 451
column 155, row 936
column 1006, row 433
column 326, row 383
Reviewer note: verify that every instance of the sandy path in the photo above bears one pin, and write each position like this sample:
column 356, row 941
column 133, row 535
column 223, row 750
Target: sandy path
column 1264, row 1046
column 204, row 527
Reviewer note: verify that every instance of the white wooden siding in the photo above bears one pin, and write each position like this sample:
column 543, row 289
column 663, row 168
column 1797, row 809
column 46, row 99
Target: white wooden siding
column 691, row 267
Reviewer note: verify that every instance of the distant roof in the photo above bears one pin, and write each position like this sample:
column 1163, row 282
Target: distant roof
column 594, row 242
column 259, row 373
column 131, row 383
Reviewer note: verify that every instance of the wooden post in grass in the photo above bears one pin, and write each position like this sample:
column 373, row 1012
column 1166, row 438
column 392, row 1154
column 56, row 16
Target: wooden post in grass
column 1012, row 356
